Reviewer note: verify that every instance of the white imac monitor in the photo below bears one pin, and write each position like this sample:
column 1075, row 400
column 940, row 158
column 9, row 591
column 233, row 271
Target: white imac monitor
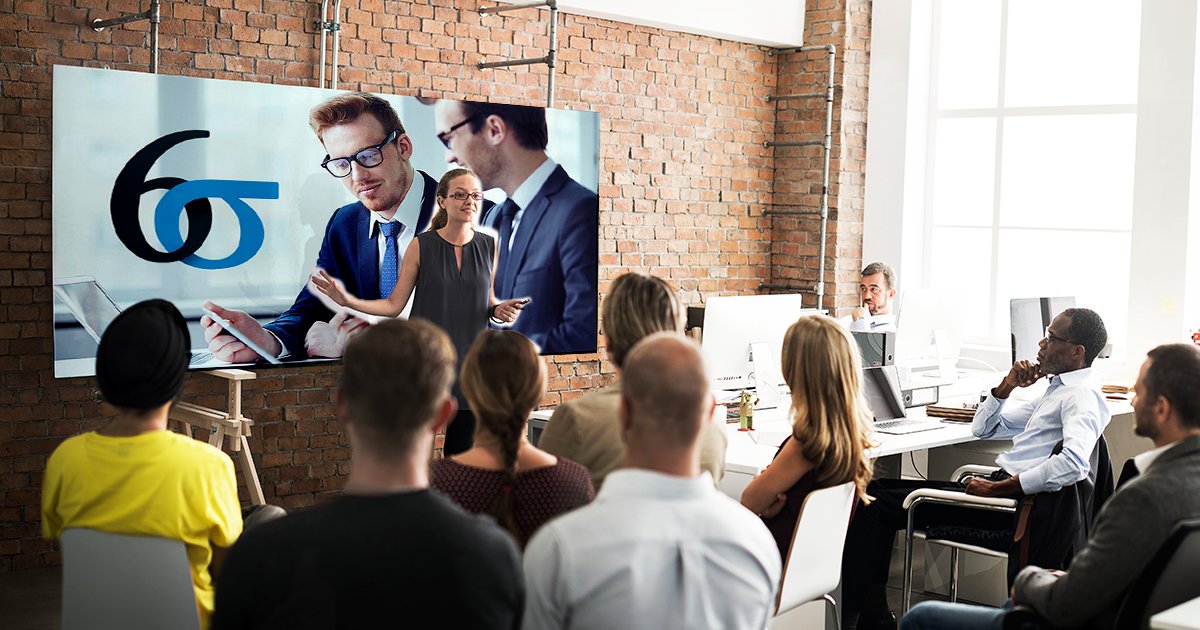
column 1028, row 319
column 743, row 339
column 928, row 331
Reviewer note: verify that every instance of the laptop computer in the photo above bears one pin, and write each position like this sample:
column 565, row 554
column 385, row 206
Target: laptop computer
column 881, row 385
column 94, row 309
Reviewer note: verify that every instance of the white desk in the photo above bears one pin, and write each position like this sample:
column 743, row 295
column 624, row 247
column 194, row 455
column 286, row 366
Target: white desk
column 749, row 453
column 1185, row 616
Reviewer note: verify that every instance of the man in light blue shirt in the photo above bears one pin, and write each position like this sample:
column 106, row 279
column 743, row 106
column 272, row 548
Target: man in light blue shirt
column 1071, row 411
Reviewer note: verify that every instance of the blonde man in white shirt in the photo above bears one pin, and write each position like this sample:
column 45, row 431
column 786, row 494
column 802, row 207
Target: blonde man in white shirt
column 660, row 547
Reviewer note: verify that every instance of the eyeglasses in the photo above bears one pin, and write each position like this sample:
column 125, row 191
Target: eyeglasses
column 369, row 157
column 462, row 196
column 445, row 135
column 1052, row 337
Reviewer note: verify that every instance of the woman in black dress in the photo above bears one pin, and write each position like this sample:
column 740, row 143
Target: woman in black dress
column 448, row 272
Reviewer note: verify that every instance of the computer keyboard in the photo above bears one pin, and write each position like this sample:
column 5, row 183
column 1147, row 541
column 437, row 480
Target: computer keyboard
column 199, row 356
column 904, row 425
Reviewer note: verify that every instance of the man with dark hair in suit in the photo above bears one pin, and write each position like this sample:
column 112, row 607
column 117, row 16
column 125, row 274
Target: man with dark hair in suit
column 368, row 150
column 1130, row 527
column 547, row 227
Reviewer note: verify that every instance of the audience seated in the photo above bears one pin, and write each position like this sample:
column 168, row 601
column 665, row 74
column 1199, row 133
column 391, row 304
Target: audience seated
column 660, row 547
column 828, row 445
column 389, row 551
column 1071, row 413
column 504, row 475
column 133, row 476
column 1131, row 526
column 586, row 429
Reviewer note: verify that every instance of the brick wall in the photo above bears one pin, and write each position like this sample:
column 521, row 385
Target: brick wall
column 684, row 179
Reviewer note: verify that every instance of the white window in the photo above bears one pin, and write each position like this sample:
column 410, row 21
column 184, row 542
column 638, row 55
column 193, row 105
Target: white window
column 1029, row 159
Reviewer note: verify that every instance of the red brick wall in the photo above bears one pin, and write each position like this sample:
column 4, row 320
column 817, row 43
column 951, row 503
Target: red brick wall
column 684, row 179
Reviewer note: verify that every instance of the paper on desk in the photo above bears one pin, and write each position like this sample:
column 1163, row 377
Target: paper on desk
column 334, row 306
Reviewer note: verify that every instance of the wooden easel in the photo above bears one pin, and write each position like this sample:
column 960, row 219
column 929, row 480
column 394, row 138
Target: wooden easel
column 226, row 424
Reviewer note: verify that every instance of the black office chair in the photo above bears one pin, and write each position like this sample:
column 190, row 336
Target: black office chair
column 1047, row 530
column 1171, row 578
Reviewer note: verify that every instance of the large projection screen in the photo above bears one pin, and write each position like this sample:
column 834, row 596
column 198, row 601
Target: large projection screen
column 247, row 149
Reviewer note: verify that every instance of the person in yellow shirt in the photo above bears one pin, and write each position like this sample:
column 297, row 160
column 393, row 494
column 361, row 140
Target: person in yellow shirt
column 135, row 477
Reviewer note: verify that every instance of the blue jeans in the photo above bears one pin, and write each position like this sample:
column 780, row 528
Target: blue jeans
column 947, row 616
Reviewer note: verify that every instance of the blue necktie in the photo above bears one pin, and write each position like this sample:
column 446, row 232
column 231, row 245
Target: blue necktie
column 390, row 271
column 508, row 212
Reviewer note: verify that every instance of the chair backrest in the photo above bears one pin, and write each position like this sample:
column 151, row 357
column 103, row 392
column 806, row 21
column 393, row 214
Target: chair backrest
column 1171, row 578
column 813, row 565
column 118, row 581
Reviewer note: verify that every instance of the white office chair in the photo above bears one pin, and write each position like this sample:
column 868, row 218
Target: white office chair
column 813, row 566
column 950, row 497
column 114, row 581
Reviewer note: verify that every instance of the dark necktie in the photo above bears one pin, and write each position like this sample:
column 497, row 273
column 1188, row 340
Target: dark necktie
column 390, row 272
column 508, row 212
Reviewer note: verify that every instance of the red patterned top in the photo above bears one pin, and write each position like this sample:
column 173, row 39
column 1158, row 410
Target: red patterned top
column 540, row 494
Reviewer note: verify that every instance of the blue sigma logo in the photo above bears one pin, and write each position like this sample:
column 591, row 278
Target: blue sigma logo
column 184, row 197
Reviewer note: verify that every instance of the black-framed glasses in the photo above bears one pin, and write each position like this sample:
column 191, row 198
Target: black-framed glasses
column 369, row 157
column 459, row 195
column 1052, row 337
column 445, row 135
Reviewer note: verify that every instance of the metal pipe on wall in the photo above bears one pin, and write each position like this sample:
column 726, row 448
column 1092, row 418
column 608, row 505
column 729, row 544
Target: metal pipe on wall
column 337, row 32
column 827, row 147
column 825, row 173
column 335, row 26
column 151, row 14
column 551, row 57
column 322, row 24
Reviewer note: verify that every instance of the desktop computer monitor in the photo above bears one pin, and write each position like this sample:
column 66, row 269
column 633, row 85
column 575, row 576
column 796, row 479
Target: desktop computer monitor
column 1028, row 319
column 743, row 339
column 928, row 330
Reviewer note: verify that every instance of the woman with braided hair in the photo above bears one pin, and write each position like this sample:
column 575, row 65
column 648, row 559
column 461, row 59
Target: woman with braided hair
column 503, row 475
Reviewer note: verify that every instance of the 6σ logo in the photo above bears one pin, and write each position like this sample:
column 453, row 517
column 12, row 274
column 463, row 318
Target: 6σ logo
column 184, row 196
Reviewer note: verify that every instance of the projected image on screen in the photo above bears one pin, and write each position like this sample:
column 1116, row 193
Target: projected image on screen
column 284, row 220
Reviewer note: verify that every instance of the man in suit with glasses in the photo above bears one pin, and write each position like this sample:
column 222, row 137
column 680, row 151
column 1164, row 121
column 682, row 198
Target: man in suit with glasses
column 548, row 227
column 369, row 152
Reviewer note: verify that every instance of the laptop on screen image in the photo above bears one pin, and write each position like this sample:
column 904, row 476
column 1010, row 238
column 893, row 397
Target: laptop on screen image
column 881, row 387
column 94, row 309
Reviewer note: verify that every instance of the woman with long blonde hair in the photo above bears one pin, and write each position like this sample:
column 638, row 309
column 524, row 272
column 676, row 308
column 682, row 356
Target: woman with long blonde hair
column 830, row 427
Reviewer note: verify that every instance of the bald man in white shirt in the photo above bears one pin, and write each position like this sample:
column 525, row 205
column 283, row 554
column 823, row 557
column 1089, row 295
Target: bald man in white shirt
column 660, row 547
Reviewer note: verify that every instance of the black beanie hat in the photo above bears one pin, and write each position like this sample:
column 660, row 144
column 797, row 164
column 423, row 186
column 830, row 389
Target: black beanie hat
column 143, row 356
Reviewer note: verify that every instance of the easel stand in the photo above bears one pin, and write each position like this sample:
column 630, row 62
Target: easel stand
column 226, row 424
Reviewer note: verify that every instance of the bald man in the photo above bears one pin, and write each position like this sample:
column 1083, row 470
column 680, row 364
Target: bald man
column 660, row 547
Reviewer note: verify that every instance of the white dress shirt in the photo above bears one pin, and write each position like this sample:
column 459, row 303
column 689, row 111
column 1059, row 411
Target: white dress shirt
column 524, row 194
column 874, row 323
column 652, row 551
column 407, row 213
column 1072, row 410
column 1144, row 460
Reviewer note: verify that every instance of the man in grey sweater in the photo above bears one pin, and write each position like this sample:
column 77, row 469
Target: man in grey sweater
column 1131, row 526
